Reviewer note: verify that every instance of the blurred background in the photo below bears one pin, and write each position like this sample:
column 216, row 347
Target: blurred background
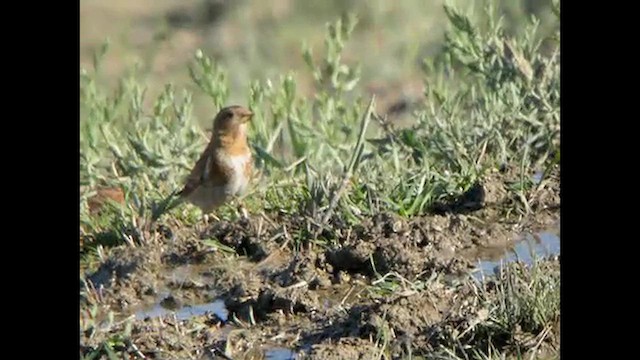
column 257, row 40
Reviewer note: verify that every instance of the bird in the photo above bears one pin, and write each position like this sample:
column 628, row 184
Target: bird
column 223, row 171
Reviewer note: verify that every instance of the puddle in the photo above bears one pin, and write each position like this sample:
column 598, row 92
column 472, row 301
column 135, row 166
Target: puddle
column 539, row 245
column 194, row 277
column 279, row 354
column 185, row 312
column 537, row 177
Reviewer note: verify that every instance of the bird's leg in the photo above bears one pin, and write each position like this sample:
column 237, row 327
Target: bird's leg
column 241, row 211
column 203, row 226
column 208, row 216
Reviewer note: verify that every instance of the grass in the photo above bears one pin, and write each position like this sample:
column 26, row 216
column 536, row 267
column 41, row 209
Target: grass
column 482, row 108
column 518, row 310
column 326, row 150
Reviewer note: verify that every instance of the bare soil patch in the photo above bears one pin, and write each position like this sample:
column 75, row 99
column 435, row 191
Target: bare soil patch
column 321, row 302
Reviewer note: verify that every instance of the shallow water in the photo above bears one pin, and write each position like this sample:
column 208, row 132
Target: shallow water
column 529, row 247
column 185, row 312
column 532, row 246
column 185, row 275
column 279, row 354
column 537, row 177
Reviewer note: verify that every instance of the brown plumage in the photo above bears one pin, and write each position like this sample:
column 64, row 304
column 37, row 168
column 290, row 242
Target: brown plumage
column 224, row 169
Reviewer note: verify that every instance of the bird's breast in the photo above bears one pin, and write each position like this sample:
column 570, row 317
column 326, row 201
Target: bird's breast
column 236, row 166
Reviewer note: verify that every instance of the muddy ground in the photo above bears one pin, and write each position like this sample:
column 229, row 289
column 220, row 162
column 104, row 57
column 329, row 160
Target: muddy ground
column 275, row 299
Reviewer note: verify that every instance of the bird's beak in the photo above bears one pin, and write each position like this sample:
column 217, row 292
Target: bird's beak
column 246, row 115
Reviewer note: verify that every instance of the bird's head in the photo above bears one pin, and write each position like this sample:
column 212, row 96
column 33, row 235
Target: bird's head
column 231, row 118
column 230, row 127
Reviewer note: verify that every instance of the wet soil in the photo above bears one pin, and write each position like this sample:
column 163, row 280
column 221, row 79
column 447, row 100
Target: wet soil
column 388, row 286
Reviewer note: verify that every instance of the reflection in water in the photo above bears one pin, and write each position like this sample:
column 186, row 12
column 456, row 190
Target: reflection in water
column 185, row 275
column 543, row 244
column 279, row 354
column 216, row 307
column 537, row 177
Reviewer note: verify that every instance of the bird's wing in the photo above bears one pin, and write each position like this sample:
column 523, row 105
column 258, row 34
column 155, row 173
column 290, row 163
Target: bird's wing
column 206, row 170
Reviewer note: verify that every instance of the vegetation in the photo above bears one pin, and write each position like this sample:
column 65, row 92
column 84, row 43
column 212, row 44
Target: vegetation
column 327, row 152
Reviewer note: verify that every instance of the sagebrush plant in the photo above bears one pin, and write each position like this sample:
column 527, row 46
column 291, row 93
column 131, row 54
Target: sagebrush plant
column 516, row 310
column 489, row 100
